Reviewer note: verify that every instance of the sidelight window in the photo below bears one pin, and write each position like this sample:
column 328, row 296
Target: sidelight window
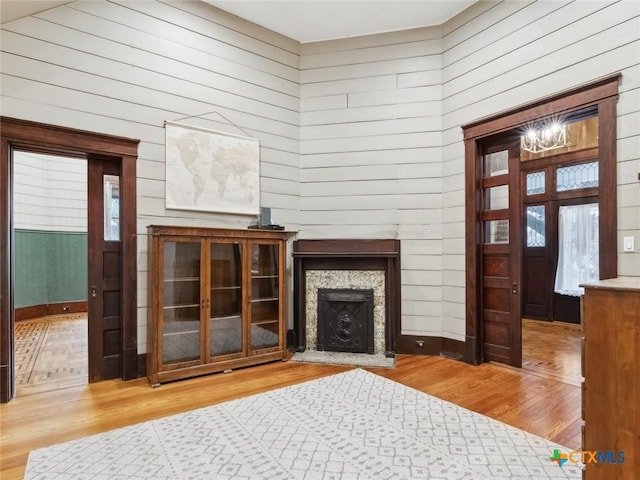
column 578, row 248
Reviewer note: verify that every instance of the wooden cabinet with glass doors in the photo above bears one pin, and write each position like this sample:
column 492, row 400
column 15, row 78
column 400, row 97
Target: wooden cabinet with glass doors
column 216, row 300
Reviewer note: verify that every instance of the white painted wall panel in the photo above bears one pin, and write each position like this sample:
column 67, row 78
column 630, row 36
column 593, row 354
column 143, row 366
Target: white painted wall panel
column 370, row 128
column 50, row 193
column 392, row 97
column 530, row 23
column 498, row 55
column 378, row 53
column 371, row 168
column 341, row 115
column 430, row 294
column 123, row 68
column 415, row 65
column 167, row 22
column 360, row 137
column 414, row 155
column 318, row 89
column 323, row 103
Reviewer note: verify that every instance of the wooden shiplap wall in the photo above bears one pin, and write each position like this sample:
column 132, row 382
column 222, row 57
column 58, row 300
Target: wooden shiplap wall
column 381, row 140
column 360, row 137
column 49, row 195
column 371, row 153
column 498, row 55
column 124, row 67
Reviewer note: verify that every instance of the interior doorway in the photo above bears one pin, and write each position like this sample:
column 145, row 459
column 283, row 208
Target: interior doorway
column 112, row 331
column 50, row 228
column 504, row 277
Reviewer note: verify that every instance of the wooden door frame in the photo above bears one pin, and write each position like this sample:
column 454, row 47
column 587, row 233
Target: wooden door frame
column 602, row 93
column 51, row 139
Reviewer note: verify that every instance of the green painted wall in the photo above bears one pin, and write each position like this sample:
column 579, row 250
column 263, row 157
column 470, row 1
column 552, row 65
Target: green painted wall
column 50, row 267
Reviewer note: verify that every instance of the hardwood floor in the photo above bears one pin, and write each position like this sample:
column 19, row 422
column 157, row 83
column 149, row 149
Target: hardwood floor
column 552, row 350
column 543, row 406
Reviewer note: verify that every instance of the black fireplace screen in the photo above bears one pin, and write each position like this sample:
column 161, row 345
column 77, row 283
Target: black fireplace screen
column 345, row 320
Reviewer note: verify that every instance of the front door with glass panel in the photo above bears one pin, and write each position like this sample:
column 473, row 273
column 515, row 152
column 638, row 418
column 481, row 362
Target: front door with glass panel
column 560, row 229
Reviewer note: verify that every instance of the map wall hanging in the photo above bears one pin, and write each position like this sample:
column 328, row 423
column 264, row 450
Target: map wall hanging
column 211, row 171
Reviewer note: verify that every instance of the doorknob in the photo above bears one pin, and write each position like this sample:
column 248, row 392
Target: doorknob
column 514, row 288
column 93, row 291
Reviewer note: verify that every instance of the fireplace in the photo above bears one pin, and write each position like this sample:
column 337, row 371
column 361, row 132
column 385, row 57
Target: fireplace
column 351, row 265
column 345, row 320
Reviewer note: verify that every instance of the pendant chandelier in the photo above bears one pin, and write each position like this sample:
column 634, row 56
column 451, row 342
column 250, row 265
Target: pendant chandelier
column 541, row 138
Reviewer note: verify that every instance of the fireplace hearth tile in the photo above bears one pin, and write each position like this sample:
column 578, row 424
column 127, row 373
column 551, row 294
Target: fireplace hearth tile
column 344, row 358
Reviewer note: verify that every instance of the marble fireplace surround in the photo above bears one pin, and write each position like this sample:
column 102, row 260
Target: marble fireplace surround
column 348, row 263
column 345, row 279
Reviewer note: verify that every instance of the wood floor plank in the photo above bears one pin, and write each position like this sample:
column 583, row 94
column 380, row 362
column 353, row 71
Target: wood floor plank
column 545, row 407
column 552, row 350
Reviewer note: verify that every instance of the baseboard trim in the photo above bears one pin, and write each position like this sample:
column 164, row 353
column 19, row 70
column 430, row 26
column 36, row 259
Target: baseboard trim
column 441, row 346
column 142, row 365
column 35, row 311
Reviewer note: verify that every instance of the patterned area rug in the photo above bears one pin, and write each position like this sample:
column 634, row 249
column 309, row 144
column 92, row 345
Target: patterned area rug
column 51, row 353
column 353, row 425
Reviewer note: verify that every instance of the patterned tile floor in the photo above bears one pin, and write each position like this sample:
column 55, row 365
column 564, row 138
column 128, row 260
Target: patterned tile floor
column 51, row 353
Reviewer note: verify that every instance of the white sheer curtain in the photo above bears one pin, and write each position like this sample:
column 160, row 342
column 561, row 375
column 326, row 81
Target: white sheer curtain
column 577, row 248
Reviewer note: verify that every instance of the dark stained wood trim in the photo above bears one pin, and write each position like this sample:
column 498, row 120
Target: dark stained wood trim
column 35, row 311
column 441, row 346
column 299, row 315
column 569, row 158
column 601, row 93
column 473, row 235
column 95, row 252
column 608, row 192
column 516, row 230
column 571, row 99
column 58, row 140
column 250, row 233
column 6, row 300
column 142, row 364
column 348, row 254
column 338, row 247
column 129, row 275
column 42, row 137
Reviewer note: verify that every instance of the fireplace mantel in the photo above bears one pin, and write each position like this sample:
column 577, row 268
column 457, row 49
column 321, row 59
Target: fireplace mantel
column 348, row 254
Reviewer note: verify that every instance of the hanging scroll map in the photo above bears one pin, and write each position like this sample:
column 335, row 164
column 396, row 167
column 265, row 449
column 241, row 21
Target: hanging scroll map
column 211, row 171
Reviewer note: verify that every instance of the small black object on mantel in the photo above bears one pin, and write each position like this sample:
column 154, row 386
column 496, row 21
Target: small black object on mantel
column 264, row 221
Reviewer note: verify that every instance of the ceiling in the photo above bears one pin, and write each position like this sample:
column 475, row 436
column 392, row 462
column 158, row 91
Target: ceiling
column 307, row 20
column 12, row 9
column 315, row 20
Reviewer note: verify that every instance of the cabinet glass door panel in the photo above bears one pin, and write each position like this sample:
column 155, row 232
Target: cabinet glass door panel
column 265, row 304
column 225, row 329
column 181, row 302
